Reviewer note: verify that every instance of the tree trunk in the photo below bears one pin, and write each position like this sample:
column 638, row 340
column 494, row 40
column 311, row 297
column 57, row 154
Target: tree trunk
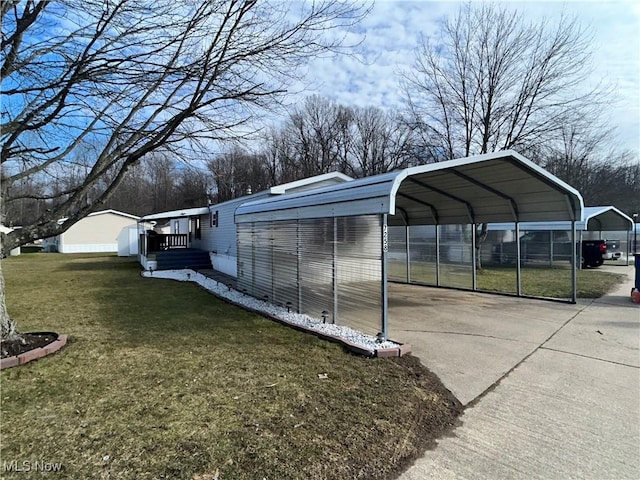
column 7, row 326
column 481, row 236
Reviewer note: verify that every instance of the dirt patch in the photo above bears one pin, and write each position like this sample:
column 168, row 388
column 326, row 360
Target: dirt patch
column 26, row 342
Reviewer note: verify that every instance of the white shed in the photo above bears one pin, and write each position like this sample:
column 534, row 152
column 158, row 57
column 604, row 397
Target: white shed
column 104, row 231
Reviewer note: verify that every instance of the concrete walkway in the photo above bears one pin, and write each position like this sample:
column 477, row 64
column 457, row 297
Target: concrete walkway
column 552, row 390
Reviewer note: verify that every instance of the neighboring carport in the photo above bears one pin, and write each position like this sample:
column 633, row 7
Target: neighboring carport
column 324, row 252
column 598, row 222
column 608, row 219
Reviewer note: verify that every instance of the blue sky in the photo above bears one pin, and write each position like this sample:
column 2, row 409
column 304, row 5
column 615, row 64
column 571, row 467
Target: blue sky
column 393, row 27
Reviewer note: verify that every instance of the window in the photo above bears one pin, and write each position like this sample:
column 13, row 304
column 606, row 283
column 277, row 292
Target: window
column 198, row 231
column 213, row 218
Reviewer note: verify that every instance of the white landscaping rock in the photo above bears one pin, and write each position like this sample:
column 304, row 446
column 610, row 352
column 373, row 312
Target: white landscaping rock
column 348, row 334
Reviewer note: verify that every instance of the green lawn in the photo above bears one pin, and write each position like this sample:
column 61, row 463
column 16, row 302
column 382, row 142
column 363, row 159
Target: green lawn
column 162, row 380
column 538, row 281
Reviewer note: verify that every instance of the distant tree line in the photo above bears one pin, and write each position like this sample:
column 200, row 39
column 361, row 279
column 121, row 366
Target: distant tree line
column 321, row 136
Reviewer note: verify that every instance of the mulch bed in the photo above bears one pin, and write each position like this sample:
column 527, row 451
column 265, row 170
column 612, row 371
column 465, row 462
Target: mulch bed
column 27, row 342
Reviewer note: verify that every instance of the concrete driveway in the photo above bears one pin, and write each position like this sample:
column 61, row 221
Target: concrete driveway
column 552, row 390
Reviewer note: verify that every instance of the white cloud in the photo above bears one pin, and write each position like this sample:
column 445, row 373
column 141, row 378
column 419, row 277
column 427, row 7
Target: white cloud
column 394, row 26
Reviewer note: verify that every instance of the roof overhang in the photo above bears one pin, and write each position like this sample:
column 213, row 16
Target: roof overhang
column 187, row 212
column 496, row 187
column 282, row 189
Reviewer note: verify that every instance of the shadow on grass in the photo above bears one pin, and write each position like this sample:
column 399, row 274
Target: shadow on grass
column 161, row 312
column 157, row 370
column 99, row 262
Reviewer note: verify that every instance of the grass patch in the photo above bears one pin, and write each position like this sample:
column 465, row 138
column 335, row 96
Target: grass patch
column 549, row 282
column 538, row 281
column 170, row 382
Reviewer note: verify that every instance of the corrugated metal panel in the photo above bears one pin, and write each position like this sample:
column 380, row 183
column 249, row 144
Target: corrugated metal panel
column 359, row 272
column 285, row 264
column 316, row 266
column 245, row 258
column 367, row 196
column 314, row 263
column 488, row 187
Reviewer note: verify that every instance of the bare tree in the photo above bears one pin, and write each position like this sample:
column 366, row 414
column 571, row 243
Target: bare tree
column 141, row 76
column 379, row 142
column 318, row 133
column 604, row 175
column 237, row 173
column 323, row 136
column 493, row 81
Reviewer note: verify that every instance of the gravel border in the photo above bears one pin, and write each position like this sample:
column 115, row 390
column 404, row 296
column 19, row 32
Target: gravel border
column 361, row 343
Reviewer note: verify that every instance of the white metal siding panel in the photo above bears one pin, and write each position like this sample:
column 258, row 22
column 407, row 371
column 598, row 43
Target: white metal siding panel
column 89, row 248
column 95, row 233
column 97, row 229
column 206, row 232
column 224, row 235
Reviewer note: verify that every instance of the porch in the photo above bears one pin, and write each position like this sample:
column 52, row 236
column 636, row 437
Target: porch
column 173, row 240
column 159, row 251
column 152, row 242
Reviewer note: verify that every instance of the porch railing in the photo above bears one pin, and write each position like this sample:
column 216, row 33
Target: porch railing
column 157, row 242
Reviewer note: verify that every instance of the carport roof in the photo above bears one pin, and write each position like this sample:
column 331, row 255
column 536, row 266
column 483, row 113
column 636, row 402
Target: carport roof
column 602, row 219
column 496, row 187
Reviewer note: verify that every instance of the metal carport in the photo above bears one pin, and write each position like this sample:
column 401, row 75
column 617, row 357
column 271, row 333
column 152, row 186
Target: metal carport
column 595, row 219
column 496, row 187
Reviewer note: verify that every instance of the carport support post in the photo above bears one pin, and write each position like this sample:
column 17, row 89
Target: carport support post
column 518, row 270
column 474, row 260
column 385, row 291
column 298, row 275
column 335, row 269
column 438, row 255
column 406, row 244
column 574, row 261
column 578, row 241
column 628, row 246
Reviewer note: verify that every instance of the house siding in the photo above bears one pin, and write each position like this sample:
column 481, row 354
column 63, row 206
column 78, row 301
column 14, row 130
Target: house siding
column 221, row 240
column 94, row 233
